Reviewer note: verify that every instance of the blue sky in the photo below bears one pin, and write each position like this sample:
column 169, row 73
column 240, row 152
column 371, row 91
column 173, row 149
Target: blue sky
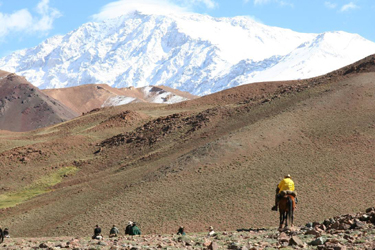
column 26, row 23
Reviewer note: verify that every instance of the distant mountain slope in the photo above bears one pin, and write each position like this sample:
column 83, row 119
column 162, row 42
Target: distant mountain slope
column 24, row 107
column 87, row 97
column 191, row 52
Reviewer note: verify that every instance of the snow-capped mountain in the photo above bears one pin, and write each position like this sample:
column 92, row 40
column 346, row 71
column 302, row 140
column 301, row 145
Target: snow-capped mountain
column 190, row 52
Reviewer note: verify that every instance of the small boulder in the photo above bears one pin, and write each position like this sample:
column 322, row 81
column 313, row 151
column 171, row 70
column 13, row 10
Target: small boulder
column 365, row 217
column 207, row 242
column 334, row 246
column 313, row 232
column 317, row 241
column 344, row 226
column 234, row 246
column 359, row 224
column 295, row 241
column 213, row 246
column 283, row 237
column 44, row 245
column 335, row 225
column 61, row 245
column 322, row 227
column 315, row 223
column 369, row 210
column 102, row 243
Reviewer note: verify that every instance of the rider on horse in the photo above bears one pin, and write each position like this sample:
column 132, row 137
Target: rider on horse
column 287, row 184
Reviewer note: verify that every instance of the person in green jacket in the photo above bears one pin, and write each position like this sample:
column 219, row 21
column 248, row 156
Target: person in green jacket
column 135, row 230
column 113, row 232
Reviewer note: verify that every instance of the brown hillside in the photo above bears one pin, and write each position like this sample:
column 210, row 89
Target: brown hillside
column 85, row 98
column 24, row 107
column 211, row 161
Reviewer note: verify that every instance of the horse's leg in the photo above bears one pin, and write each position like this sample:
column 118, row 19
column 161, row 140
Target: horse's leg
column 286, row 219
column 281, row 219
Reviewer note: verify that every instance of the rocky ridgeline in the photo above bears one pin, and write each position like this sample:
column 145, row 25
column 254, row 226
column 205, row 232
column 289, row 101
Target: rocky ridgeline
column 23, row 154
column 339, row 233
column 127, row 116
column 124, row 119
column 158, row 130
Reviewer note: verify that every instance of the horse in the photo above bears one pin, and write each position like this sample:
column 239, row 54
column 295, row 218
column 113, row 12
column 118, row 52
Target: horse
column 286, row 207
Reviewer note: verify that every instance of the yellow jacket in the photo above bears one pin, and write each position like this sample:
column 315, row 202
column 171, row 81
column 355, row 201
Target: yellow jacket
column 286, row 184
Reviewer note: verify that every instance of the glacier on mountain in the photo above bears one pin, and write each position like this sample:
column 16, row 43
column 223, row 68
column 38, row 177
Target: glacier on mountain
column 190, row 52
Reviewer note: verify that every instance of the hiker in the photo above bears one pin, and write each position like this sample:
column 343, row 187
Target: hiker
column 97, row 233
column 128, row 228
column 181, row 231
column 6, row 233
column 211, row 231
column 135, row 230
column 285, row 186
column 113, row 232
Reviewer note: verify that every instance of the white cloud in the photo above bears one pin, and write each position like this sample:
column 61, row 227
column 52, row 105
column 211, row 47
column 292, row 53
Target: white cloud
column 208, row 3
column 48, row 15
column 349, row 6
column 280, row 2
column 23, row 21
column 330, row 5
column 122, row 7
column 256, row 2
column 283, row 3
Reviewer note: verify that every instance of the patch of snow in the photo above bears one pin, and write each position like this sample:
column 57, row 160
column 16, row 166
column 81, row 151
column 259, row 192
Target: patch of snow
column 156, row 95
column 118, row 100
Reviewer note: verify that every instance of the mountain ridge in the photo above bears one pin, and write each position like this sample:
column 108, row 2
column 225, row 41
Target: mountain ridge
column 194, row 53
column 24, row 107
column 84, row 98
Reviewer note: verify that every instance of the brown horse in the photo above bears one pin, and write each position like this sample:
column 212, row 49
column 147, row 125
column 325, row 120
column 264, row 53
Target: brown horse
column 286, row 208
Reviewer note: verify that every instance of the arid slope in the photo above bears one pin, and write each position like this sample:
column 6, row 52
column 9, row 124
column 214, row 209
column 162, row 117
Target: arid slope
column 24, row 107
column 85, row 98
column 214, row 161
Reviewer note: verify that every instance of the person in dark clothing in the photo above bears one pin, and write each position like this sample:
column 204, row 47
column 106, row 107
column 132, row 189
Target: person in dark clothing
column 1, row 235
column 97, row 233
column 128, row 228
column 135, row 230
column 181, row 231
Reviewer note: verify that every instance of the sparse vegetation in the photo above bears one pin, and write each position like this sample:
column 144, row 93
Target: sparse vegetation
column 41, row 186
